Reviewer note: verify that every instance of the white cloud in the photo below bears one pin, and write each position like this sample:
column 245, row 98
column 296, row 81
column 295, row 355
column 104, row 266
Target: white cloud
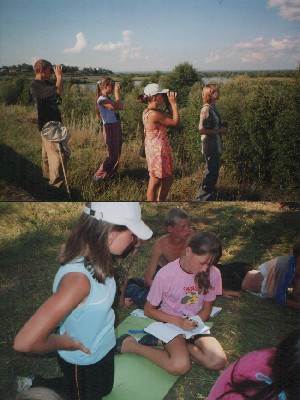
column 107, row 47
column 258, row 42
column 126, row 42
column 131, row 53
column 288, row 9
column 79, row 46
column 259, row 50
column 128, row 52
column 211, row 58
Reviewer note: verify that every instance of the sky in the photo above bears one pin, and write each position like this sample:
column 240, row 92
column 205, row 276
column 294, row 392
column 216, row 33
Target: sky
column 156, row 35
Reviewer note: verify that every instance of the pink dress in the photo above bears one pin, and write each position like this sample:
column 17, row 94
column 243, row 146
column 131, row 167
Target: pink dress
column 158, row 149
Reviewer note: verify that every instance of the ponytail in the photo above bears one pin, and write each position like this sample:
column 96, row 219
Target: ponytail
column 142, row 98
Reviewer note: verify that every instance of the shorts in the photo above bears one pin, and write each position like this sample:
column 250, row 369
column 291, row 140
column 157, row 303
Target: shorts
column 233, row 274
column 263, row 271
column 193, row 339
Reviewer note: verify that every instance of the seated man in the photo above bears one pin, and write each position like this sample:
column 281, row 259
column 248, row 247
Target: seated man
column 166, row 249
column 277, row 279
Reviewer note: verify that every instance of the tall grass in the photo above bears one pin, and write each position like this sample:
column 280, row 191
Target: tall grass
column 260, row 158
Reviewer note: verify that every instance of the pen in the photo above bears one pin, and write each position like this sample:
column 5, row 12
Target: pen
column 185, row 316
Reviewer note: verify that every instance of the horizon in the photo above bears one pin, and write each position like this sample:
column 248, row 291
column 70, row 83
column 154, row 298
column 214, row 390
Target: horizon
column 212, row 35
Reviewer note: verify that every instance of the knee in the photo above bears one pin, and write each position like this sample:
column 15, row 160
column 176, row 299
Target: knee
column 179, row 367
column 217, row 362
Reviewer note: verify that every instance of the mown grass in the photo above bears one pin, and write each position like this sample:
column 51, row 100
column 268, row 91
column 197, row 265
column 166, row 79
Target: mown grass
column 31, row 234
column 21, row 178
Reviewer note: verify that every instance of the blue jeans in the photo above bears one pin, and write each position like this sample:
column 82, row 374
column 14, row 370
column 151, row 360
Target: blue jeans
column 207, row 189
column 137, row 291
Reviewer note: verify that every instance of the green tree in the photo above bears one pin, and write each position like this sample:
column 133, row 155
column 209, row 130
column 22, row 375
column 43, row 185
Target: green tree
column 181, row 80
column 127, row 84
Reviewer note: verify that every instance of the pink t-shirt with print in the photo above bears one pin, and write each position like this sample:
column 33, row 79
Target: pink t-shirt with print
column 258, row 361
column 177, row 291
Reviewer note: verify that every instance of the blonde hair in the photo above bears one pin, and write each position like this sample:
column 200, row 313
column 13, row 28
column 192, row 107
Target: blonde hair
column 207, row 91
column 39, row 393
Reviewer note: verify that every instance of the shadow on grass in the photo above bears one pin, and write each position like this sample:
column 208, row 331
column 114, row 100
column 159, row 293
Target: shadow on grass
column 20, row 174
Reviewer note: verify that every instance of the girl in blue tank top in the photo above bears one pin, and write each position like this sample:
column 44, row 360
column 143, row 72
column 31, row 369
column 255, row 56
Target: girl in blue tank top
column 81, row 304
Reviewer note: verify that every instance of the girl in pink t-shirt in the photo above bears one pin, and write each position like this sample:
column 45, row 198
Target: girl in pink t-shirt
column 182, row 289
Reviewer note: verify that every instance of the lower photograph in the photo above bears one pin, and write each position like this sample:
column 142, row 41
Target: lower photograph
column 149, row 301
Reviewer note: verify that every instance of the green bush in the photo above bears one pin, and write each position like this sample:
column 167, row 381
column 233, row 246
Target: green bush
column 15, row 91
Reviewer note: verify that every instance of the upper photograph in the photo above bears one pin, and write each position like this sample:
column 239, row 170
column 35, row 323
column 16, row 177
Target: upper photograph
column 127, row 101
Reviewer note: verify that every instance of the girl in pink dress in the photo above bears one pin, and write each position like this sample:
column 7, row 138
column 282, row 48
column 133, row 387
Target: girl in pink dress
column 157, row 145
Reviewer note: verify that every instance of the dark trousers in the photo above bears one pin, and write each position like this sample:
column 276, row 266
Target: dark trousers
column 211, row 174
column 137, row 291
column 82, row 382
column 112, row 134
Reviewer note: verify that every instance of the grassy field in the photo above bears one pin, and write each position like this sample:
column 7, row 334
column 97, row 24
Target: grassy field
column 32, row 232
column 21, row 178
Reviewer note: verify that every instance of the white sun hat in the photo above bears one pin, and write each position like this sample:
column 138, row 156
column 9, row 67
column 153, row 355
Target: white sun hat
column 121, row 213
column 153, row 88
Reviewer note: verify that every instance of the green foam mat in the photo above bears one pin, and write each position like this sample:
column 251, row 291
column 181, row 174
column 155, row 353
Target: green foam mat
column 136, row 378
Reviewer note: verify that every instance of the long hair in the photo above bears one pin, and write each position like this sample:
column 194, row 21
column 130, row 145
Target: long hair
column 207, row 92
column 285, row 374
column 92, row 234
column 206, row 243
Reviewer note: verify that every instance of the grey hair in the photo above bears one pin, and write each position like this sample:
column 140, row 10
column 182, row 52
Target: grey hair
column 174, row 214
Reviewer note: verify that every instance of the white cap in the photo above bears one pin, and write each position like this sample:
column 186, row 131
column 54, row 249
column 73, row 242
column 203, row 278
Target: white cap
column 121, row 213
column 153, row 88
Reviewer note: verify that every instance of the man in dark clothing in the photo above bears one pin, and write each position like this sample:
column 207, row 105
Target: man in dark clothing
column 47, row 96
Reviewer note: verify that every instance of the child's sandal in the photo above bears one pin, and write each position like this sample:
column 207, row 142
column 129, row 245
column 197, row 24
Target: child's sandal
column 119, row 342
column 149, row 340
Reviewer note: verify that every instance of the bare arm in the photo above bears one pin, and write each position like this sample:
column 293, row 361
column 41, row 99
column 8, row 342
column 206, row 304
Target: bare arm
column 231, row 294
column 205, row 312
column 154, row 260
column 58, row 73
column 118, row 104
column 35, row 335
column 165, row 118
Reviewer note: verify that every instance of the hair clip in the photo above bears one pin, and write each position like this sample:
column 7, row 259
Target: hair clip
column 262, row 377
